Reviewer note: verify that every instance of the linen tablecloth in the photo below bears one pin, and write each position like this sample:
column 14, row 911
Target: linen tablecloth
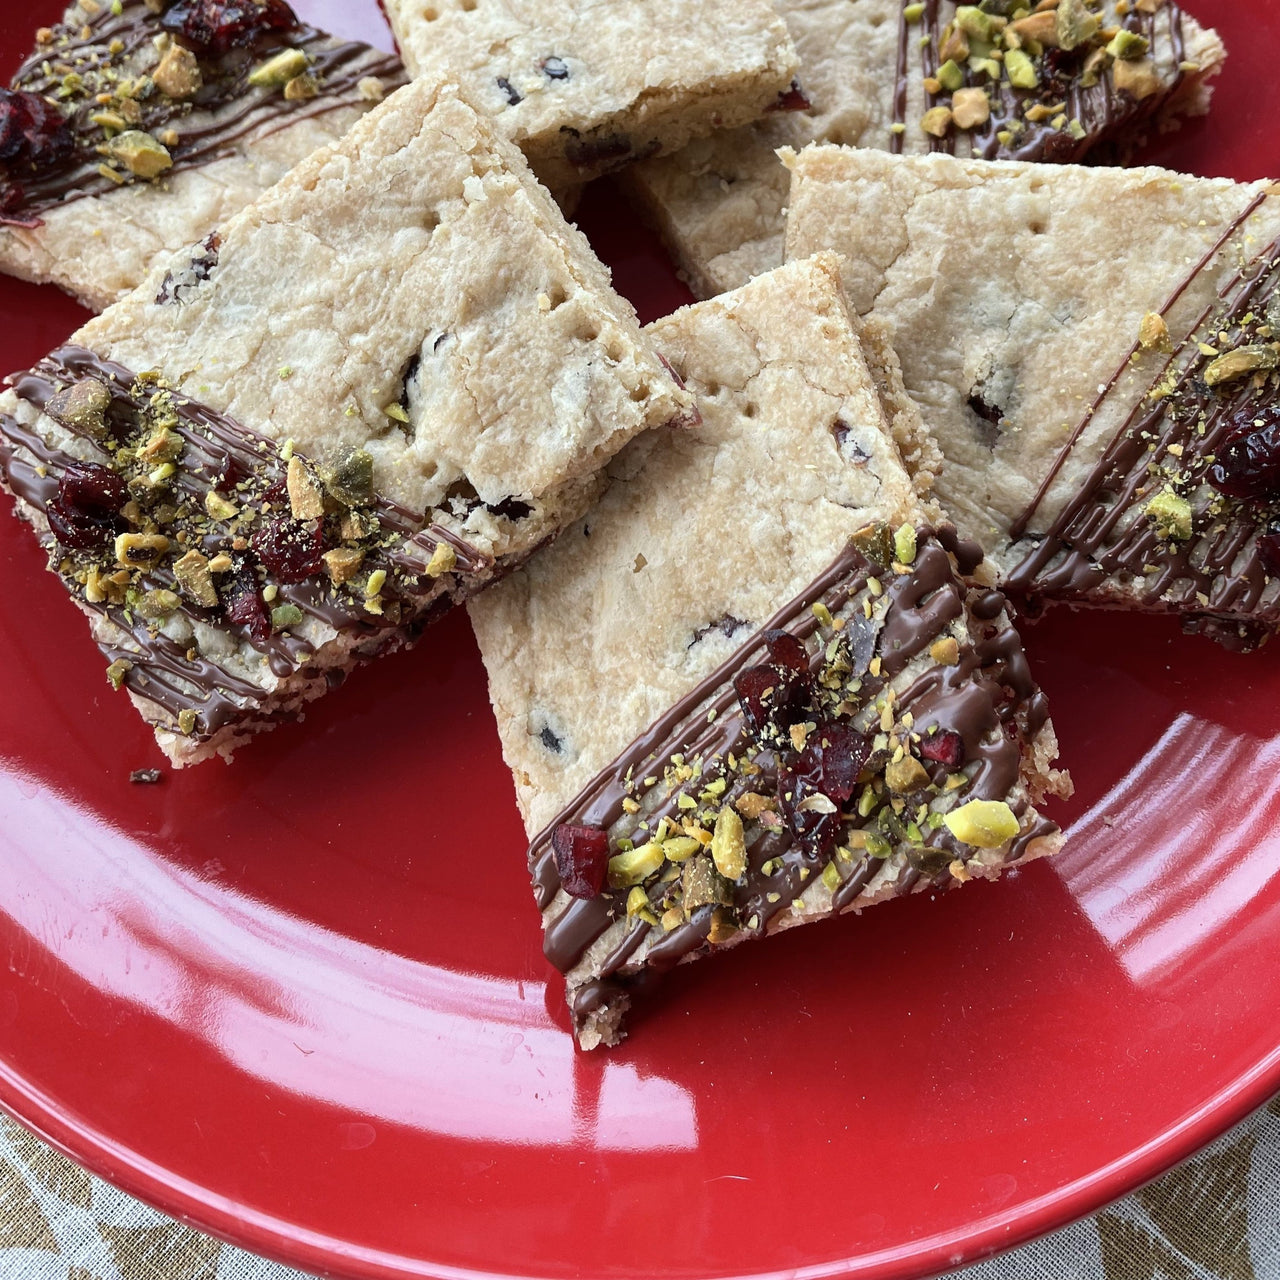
column 1217, row 1217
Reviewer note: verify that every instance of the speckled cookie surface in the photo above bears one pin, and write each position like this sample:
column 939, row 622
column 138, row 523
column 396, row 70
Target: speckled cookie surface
column 719, row 202
column 1016, row 297
column 409, row 308
column 584, row 88
column 102, row 227
column 702, row 538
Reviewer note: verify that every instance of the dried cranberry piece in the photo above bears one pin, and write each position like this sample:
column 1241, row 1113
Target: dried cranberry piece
column 32, row 130
column 829, row 765
column 786, row 651
column 217, row 26
column 582, row 858
column 1248, row 462
column 946, row 747
column 292, row 550
column 242, row 601
column 792, row 99
column 85, row 512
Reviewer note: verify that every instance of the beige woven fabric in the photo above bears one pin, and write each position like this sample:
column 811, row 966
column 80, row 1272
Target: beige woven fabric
column 1215, row 1218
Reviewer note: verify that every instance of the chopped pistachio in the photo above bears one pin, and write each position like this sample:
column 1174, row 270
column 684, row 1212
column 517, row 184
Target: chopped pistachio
column 140, row 550
column 831, row 876
column 680, row 848
column 906, row 775
column 377, row 580
column 945, row 652
column 444, row 559
column 723, row 926
column 82, row 406
column 635, row 865
column 728, row 844
column 637, row 901
column 977, row 24
column 936, row 121
column 140, row 153
column 397, row 412
column 219, row 508
column 221, row 563
column 1153, row 332
column 985, row 824
column 343, row 563
column 1138, row 79
column 1241, row 362
column 155, row 605
column 954, row 46
column 751, row 805
column 913, row 13
column 187, row 721
column 950, row 77
column 117, row 671
column 1094, row 65
column 306, row 499
column 1128, row 46
column 1039, row 28
column 1171, row 515
column 196, row 579
column 276, row 72
column 970, row 108
column 178, row 73
column 351, row 482
column 1021, row 70
column 301, row 88
column 702, row 884
column 1076, row 24
column 822, row 613
column 284, row 616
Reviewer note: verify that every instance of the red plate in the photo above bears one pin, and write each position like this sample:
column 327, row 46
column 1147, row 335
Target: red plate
column 301, row 1001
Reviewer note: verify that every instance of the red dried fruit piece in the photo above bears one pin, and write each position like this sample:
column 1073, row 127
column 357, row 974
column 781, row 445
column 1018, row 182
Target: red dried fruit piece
column 217, row 26
column 829, row 765
column 32, row 130
column 242, row 602
column 945, row 747
column 1248, row 461
column 792, row 99
column 85, row 512
column 582, row 859
column 292, row 550
column 787, row 652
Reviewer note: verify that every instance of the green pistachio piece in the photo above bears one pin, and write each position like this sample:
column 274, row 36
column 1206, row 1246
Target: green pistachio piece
column 904, row 544
column 950, row 76
column 1171, row 515
column 1239, row 363
column 276, row 72
column 985, row 824
column 351, row 481
column 1128, row 46
column 635, row 865
column 83, row 407
column 140, row 153
column 285, row 616
column 1076, row 24
column 728, row 844
column 906, row 775
column 1022, row 71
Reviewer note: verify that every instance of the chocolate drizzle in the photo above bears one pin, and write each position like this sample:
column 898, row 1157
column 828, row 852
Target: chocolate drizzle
column 987, row 697
column 176, row 676
column 225, row 112
column 1103, row 113
column 1101, row 544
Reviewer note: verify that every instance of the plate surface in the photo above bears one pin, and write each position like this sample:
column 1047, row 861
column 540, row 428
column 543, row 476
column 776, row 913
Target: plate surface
column 301, row 1001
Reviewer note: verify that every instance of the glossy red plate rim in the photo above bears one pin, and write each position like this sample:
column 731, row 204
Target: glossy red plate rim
column 276, row 1239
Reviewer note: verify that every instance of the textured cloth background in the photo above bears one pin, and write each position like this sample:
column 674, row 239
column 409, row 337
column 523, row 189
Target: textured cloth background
column 1215, row 1218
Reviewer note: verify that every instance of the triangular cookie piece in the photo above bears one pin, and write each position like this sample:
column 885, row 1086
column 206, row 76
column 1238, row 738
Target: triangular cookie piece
column 1095, row 351
column 751, row 688
column 585, row 88
column 1072, row 77
column 134, row 128
column 364, row 398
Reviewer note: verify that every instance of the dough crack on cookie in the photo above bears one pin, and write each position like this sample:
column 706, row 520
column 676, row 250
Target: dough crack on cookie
column 762, row 682
column 277, row 459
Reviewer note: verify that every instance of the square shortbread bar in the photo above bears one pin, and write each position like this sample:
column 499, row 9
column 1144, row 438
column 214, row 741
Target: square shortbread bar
column 821, row 715
column 363, row 399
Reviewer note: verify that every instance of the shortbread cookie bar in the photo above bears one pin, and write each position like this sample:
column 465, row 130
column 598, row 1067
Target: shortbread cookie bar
column 1045, row 85
column 137, row 127
column 585, row 88
column 367, row 396
column 1095, row 351
column 821, row 715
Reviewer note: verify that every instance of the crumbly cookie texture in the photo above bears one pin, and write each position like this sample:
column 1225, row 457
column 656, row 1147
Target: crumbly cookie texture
column 719, row 202
column 657, row 738
column 586, row 88
column 1094, row 351
column 156, row 138
column 366, row 396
